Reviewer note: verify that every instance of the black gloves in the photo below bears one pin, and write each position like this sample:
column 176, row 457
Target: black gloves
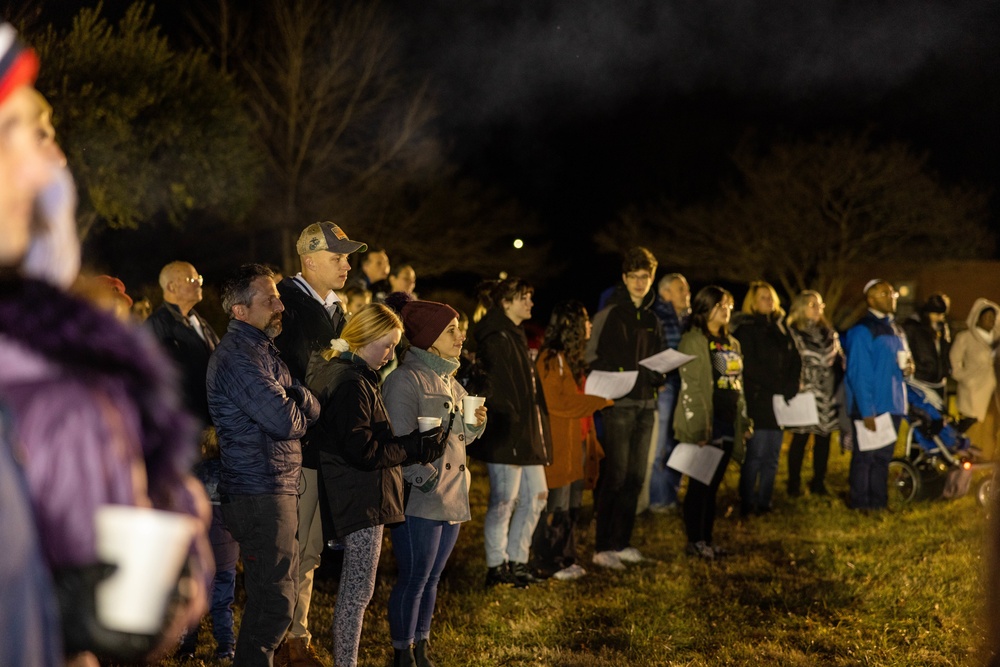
column 425, row 447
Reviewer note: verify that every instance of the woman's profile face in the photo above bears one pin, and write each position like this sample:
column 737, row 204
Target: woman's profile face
column 987, row 319
column 721, row 313
column 380, row 351
column 814, row 309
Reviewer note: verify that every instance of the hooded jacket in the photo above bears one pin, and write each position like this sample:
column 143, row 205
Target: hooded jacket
column 519, row 420
column 873, row 383
column 622, row 336
column 972, row 363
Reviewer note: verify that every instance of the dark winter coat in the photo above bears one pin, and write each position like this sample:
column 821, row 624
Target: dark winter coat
column 622, row 336
column 930, row 355
column 771, row 365
column 188, row 350
column 259, row 411
column 359, row 456
column 519, row 421
column 306, row 327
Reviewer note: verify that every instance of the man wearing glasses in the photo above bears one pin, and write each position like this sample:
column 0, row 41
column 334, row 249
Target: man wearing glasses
column 185, row 334
column 878, row 358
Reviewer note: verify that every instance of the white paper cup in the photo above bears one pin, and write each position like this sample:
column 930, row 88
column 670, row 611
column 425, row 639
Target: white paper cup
column 149, row 547
column 469, row 406
column 427, row 423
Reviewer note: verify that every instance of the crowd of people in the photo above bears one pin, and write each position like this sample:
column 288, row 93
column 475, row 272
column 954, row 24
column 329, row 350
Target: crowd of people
column 331, row 409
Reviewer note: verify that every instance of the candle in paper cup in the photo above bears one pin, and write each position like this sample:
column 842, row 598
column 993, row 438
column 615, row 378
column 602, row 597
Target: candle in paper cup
column 469, row 406
column 427, row 423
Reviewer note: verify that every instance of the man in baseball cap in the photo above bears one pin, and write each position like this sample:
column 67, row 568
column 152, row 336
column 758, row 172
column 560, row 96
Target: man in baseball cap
column 313, row 317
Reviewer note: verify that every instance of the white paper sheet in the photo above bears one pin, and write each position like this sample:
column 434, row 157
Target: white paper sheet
column 610, row 385
column 697, row 462
column 666, row 361
column 800, row 411
column 884, row 433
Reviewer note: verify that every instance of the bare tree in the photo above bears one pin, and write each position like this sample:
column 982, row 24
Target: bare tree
column 809, row 214
column 333, row 114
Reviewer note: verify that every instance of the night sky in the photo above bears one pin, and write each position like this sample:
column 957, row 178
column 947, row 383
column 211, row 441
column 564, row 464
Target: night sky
column 579, row 108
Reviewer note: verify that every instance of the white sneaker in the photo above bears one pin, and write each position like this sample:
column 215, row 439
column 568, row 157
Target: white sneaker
column 609, row 560
column 630, row 555
column 570, row 573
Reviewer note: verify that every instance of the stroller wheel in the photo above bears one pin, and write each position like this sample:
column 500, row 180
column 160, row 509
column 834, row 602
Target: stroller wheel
column 984, row 492
column 904, row 483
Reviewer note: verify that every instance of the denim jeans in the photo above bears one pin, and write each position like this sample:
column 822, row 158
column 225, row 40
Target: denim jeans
column 663, row 481
column 627, row 432
column 226, row 552
column 421, row 547
column 869, row 475
column 517, row 497
column 264, row 526
column 759, row 469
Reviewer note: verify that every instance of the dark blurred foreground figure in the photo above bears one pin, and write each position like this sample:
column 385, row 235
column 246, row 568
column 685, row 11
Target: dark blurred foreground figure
column 91, row 415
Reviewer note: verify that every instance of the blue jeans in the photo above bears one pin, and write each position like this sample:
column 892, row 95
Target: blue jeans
column 869, row 475
column 627, row 432
column 226, row 552
column 663, row 481
column 759, row 469
column 422, row 548
column 517, row 497
column 264, row 526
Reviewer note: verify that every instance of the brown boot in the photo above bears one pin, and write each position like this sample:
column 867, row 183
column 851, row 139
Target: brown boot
column 301, row 654
column 281, row 655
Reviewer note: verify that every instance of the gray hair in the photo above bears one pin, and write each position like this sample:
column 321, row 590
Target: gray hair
column 238, row 289
column 667, row 279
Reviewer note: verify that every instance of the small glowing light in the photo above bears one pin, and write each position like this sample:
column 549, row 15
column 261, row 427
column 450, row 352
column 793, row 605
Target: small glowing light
column 518, row 243
column 904, row 291
column 967, row 465
column 503, row 275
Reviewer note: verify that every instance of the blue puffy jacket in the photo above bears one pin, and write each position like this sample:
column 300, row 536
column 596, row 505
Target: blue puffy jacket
column 259, row 413
column 874, row 382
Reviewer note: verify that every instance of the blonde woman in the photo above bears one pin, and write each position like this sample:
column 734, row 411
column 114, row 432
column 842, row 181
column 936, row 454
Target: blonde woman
column 822, row 369
column 361, row 459
column 770, row 366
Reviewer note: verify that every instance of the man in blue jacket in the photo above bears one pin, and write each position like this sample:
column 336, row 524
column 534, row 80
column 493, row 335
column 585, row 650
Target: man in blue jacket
column 259, row 413
column 877, row 359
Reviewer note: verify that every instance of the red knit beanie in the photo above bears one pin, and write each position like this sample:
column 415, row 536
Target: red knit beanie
column 424, row 321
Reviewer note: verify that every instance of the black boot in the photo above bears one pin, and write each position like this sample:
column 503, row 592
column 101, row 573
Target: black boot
column 403, row 657
column 420, row 653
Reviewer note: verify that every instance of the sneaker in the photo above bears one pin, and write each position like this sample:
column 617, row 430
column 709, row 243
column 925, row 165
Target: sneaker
column 701, row 550
column 502, row 576
column 630, row 555
column 570, row 573
column 670, row 508
column 523, row 573
column 609, row 560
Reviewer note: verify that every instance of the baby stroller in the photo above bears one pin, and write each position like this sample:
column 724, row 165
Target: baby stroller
column 938, row 460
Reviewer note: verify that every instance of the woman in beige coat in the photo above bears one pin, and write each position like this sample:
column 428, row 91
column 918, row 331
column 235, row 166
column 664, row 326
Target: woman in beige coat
column 972, row 367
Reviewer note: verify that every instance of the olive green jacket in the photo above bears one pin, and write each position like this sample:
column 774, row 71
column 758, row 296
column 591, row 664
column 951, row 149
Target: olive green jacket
column 693, row 414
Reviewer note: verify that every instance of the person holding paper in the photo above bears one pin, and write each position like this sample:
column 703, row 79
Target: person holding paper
column 711, row 409
column 771, row 367
column 575, row 449
column 877, row 360
column 822, row 370
column 625, row 332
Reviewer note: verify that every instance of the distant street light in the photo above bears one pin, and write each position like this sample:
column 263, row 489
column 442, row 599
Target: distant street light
column 518, row 243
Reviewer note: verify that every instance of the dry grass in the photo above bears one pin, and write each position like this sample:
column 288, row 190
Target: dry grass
column 810, row 584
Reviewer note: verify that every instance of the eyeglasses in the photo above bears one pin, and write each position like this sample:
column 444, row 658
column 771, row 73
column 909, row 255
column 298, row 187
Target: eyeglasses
column 200, row 279
column 894, row 295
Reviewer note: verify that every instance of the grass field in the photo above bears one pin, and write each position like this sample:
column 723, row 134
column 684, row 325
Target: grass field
column 812, row 583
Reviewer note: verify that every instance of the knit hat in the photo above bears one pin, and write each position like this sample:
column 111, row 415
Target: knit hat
column 18, row 64
column 424, row 321
column 326, row 236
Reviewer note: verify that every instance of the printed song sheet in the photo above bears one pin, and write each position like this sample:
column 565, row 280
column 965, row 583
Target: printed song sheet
column 697, row 462
column 884, row 433
column 666, row 361
column 610, row 385
column 800, row 411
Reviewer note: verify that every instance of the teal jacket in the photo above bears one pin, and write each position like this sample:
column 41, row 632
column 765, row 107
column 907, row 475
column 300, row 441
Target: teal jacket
column 693, row 415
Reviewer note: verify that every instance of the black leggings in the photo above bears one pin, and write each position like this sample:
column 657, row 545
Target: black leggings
column 699, row 504
column 797, row 453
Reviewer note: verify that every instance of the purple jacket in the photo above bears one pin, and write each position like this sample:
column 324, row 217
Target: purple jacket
column 95, row 410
